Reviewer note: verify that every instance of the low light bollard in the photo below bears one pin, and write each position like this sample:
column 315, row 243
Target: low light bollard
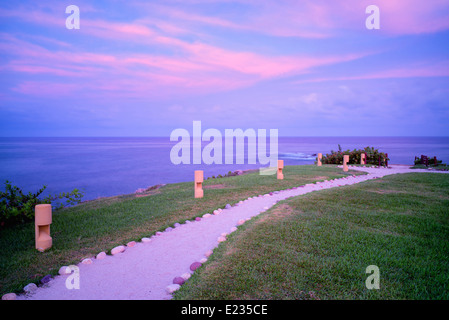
column 320, row 156
column 362, row 159
column 199, row 178
column 280, row 175
column 42, row 221
column 345, row 162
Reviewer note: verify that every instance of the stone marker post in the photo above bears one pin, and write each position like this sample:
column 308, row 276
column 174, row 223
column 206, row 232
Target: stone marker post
column 42, row 221
column 345, row 162
column 199, row 178
column 320, row 156
column 280, row 175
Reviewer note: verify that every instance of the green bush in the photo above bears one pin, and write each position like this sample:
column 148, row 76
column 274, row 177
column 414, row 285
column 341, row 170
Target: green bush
column 18, row 207
column 372, row 156
column 431, row 162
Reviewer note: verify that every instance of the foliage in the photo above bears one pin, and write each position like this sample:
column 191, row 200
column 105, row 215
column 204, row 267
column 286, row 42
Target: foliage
column 372, row 156
column 69, row 198
column 431, row 162
column 229, row 174
column 18, row 207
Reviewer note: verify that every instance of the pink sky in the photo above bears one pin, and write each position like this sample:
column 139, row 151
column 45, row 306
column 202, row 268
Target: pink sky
column 176, row 53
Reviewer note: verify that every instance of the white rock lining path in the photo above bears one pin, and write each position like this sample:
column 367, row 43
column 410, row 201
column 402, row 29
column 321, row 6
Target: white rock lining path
column 154, row 268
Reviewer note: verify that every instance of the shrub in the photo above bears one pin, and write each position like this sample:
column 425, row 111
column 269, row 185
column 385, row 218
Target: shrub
column 372, row 156
column 431, row 162
column 18, row 207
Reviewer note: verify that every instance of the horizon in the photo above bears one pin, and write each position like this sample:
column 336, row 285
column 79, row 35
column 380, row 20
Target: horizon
column 168, row 137
column 306, row 68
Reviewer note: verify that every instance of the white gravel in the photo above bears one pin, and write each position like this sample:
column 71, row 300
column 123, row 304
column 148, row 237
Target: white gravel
column 146, row 270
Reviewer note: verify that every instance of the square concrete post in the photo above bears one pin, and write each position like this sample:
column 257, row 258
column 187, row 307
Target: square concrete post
column 320, row 156
column 280, row 175
column 42, row 221
column 362, row 158
column 345, row 162
column 199, row 178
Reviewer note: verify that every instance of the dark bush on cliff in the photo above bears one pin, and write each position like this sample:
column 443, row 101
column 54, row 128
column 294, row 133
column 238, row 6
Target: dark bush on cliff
column 372, row 156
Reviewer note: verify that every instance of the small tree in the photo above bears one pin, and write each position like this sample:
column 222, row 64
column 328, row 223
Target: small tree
column 18, row 207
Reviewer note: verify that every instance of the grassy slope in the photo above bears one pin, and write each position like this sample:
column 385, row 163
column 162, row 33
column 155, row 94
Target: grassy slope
column 319, row 245
column 95, row 226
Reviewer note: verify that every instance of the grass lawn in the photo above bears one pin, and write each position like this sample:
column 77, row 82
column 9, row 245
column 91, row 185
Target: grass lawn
column 89, row 228
column 439, row 167
column 318, row 246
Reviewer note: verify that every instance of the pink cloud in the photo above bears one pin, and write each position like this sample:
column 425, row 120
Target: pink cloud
column 323, row 18
column 413, row 16
column 319, row 18
column 45, row 88
column 196, row 65
column 35, row 59
column 266, row 17
column 199, row 65
column 41, row 69
column 423, row 70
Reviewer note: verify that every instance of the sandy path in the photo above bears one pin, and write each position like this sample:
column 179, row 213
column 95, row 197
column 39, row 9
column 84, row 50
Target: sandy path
column 145, row 270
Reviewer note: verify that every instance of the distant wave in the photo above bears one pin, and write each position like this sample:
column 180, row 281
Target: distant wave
column 297, row 156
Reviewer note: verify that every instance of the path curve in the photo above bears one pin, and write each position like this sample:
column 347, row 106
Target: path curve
column 144, row 270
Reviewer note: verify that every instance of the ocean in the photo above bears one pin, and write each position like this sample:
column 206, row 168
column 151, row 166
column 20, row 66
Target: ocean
column 102, row 167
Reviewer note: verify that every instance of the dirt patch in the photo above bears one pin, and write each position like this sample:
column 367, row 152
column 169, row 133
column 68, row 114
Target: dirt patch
column 281, row 211
column 148, row 191
column 386, row 191
column 249, row 171
column 316, row 178
column 146, row 194
column 385, row 232
column 215, row 186
column 231, row 250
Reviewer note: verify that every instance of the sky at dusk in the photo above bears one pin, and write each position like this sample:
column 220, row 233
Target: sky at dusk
column 145, row 68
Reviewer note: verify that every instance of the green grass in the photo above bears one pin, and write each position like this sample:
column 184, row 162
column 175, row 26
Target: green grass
column 439, row 167
column 318, row 246
column 89, row 228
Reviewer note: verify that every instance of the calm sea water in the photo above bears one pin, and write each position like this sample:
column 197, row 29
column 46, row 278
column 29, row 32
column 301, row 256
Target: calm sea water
column 112, row 166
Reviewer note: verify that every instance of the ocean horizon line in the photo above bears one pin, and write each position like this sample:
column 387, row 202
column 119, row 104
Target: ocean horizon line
column 168, row 137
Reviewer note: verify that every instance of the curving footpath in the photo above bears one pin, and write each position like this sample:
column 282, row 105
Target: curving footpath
column 147, row 269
